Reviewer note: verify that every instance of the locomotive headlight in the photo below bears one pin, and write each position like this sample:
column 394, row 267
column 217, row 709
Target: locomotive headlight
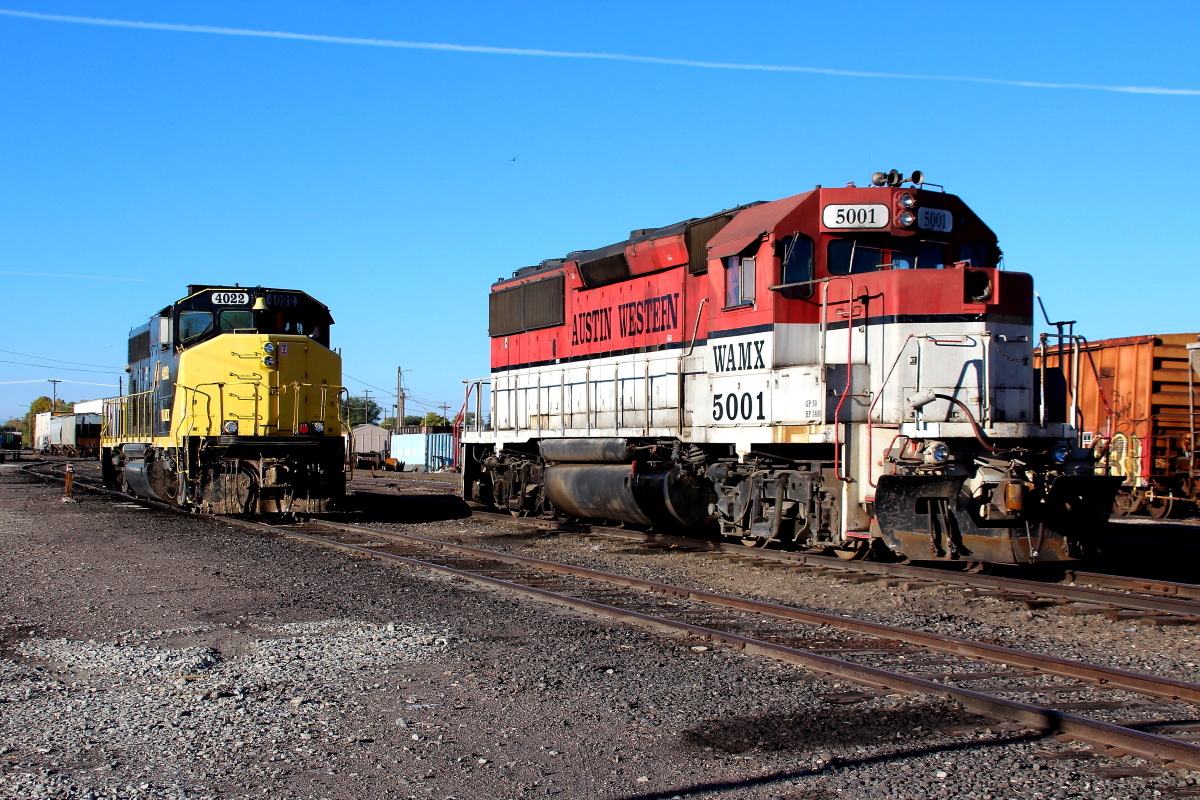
column 907, row 200
column 906, row 218
column 230, row 427
column 268, row 347
column 1062, row 451
column 268, row 361
column 318, row 427
column 936, row 453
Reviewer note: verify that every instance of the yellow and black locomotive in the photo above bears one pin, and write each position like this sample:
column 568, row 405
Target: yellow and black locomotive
column 234, row 405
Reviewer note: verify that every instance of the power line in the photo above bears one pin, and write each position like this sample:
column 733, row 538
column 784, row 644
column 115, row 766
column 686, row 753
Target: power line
column 58, row 360
column 68, row 369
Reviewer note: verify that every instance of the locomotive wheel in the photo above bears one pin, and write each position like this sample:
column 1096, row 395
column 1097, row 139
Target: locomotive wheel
column 1126, row 503
column 855, row 552
column 754, row 541
column 1161, row 507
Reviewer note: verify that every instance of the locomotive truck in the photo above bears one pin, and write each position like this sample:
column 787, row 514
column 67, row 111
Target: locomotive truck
column 847, row 369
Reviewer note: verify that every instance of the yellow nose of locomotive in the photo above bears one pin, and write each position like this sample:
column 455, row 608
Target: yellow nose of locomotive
column 261, row 385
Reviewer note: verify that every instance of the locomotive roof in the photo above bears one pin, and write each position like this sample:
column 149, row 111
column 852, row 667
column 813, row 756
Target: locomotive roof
column 636, row 236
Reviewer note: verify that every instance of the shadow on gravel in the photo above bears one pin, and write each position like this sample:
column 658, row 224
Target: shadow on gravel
column 810, row 794
column 372, row 507
column 823, row 727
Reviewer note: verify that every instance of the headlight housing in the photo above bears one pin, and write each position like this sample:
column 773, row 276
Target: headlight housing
column 906, row 218
column 1062, row 451
column 230, row 427
column 907, row 200
column 268, row 361
column 936, row 453
column 318, row 427
column 268, row 347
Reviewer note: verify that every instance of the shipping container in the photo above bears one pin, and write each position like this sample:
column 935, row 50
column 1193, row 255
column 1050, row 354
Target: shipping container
column 1136, row 406
column 70, row 434
column 423, row 452
column 41, row 430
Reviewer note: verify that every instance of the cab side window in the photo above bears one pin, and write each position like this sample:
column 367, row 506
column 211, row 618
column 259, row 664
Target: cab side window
column 795, row 265
column 739, row 281
column 193, row 324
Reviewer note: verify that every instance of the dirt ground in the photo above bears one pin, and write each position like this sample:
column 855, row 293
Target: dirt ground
column 144, row 654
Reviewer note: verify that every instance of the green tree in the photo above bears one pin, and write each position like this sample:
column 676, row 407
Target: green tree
column 413, row 419
column 354, row 412
column 13, row 424
column 433, row 419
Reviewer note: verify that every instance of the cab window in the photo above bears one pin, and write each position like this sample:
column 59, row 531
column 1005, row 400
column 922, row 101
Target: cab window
column 795, row 255
column 975, row 252
column 739, row 281
column 850, row 257
column 233, row 321
column 924, row 256
column 193, row 324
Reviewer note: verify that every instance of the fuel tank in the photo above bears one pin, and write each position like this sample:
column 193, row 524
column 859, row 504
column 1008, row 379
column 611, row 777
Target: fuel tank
column 587, row 450
column 618, row 492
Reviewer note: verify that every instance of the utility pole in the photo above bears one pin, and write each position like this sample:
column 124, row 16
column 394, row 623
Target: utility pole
column 445, row 407
column 399, row 397
column 54, row 391
column 366, row 401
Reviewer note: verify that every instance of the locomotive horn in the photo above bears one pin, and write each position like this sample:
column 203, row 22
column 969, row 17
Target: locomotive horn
column 879, row 178
column 894, row 178
column 917, row 176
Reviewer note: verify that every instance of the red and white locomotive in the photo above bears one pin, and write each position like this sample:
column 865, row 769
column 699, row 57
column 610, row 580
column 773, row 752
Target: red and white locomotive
column 846, row 368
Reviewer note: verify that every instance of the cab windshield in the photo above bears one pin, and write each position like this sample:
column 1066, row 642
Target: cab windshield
column 855, row 256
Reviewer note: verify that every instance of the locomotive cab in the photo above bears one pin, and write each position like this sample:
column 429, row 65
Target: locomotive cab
column 233, row 405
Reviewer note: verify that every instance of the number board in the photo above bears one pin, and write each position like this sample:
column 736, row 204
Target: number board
column 282, row 300
column 869, row 215
column 935, row 219
column 230, row 298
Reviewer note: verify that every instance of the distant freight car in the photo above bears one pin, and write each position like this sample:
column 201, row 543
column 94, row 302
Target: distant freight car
column 74, row 435
column 1137, row 404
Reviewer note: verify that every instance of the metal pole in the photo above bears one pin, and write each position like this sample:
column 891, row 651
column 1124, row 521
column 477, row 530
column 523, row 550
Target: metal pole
column 366, row 400
column 54, row 391
column 399, row 397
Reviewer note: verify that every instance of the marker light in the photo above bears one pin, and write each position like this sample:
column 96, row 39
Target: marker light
column 230, row 427
column 1062, row 451
column 906, row 218
column 318, row 427
column 907, row 200
column 302, row 427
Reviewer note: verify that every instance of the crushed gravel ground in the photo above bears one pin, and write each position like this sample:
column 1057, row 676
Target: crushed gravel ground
column 1127, row 644
column 144, row 654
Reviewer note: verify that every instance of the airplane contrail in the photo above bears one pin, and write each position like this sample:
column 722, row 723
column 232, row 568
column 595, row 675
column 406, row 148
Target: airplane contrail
column 516, row 51
column 87, row 277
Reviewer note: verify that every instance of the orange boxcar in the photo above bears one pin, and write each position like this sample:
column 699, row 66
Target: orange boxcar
column 1136, row 404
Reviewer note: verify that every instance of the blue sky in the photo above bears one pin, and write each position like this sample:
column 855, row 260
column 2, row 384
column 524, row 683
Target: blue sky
column 381, row 179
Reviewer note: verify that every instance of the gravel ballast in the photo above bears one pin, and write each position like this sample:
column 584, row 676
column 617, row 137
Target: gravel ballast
column 144, row 654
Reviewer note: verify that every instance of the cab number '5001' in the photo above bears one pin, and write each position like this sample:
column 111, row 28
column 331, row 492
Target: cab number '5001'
column 230, row 298
column 733, row 406
column 870, row 215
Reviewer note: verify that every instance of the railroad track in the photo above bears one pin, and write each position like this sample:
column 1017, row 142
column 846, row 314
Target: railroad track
column 1116, row 596
column 1118, row 711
